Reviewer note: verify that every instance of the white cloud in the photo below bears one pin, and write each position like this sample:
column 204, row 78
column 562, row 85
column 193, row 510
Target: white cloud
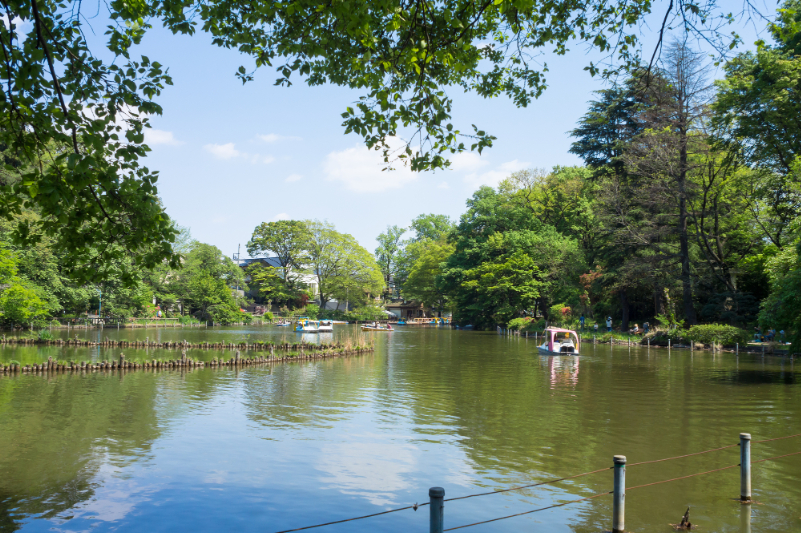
column 256, row 158
column 154, row 137
column 281, row 216
column 229, row 151
column 293, row 177
column 443, row 185
column 223, row 151
column 274, row 137
column 494, row 177
column 21, row 27
column 360, row 169
column 467, row 161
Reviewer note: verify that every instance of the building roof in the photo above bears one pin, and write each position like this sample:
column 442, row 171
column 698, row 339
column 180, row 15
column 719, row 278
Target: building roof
column 268, row 261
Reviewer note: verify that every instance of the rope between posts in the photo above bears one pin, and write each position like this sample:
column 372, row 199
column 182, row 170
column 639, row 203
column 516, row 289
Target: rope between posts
column 682, row 477
column 777, row 438
column 682, row 456
column 777, row 457
column 415, row 506
column 709, row 471
column 709, row 451
column 532, row 511
column 528, row 486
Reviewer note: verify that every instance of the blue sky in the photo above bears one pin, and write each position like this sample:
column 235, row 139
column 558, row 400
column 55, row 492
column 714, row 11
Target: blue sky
column 231, row 156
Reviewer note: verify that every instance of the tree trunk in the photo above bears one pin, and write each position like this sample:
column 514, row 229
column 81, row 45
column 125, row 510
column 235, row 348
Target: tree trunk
column 684, row 251
column 624, row 310
column 659, row 303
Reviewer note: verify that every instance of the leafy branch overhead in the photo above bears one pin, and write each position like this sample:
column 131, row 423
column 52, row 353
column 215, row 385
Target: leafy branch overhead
column 73, row 122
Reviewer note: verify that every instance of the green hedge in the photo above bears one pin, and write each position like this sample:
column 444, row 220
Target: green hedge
column 526, row 324
column 718, row 333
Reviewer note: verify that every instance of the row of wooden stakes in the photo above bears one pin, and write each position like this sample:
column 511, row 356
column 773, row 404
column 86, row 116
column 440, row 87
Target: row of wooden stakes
column 184, row 362
column 174, row 345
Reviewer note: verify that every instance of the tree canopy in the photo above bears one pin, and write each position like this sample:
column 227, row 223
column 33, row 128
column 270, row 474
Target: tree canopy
column 73, row 121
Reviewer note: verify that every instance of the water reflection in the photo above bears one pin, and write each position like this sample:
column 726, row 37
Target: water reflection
column 564, row 370
column 275, row 448
column 745, row 518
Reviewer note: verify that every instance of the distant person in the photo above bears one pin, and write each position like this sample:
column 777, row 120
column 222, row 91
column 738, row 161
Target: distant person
column 781, row 333
column 609, row 323
column 596, row 327
column 581, row 321
column 646, row 327
column 636, row 329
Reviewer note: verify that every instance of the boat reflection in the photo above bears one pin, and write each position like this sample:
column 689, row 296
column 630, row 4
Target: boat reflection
column 564, row 370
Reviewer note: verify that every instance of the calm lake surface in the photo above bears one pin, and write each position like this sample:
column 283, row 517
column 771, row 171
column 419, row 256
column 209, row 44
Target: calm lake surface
column 269, row 449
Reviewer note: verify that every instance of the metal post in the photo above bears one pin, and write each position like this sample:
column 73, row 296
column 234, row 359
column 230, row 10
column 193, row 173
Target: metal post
column 619, row 503
column 737, row 349
column 745, row 467
column 668, row 344
column 436, row 497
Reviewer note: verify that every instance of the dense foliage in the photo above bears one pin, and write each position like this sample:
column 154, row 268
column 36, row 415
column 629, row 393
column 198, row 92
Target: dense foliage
column 316, row 262
column 721, row 334
column 687, row 211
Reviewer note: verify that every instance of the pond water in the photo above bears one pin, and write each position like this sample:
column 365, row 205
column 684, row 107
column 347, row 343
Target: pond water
column 274, row 448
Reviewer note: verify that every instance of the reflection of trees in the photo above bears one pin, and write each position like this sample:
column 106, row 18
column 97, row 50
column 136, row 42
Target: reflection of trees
column 57, row 432
column 314, row 394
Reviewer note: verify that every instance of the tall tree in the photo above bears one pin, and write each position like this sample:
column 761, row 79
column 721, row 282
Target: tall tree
column 662, row 153
column 755, row 114
column 431, row 227
column 497, row 231
column 609, row 123
column 337, row 260
column 424, row 282
column 287, row 239
column 206, row 283
column 388, row 255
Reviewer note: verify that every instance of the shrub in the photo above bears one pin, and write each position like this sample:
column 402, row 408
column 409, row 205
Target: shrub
column 718, row 333
column 367, row 313
column 333, row 314
column 312, row 310
column 45, row 335
column 519, row 323
column 560, row 314
column 527, row 324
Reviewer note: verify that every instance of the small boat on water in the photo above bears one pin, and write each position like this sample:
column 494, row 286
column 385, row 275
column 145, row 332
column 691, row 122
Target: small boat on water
column 307, row 325
column 559, row 342
column 376, row 327
column 401, row 322
column 283, row 324
column 326, row 326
